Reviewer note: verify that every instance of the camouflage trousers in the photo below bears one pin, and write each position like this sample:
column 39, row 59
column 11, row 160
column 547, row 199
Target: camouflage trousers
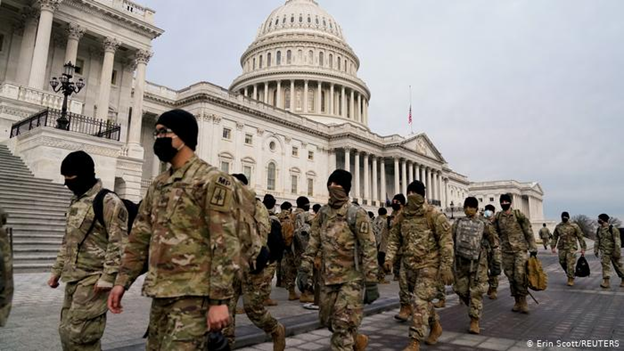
column 341, row 310
column 177, row 324
column 407, row 279
column 289, row 268
column 470, row 284
column 493, row 281
column 567, row 260
column 545, row 242
column 514, row 266
column 255, row 289
column 424, row 291
column 6, row 279
column 396, row 267
column 83, row 316
column 606, row 261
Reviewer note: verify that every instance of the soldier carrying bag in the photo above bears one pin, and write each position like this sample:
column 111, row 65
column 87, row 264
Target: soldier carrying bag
column 582, row 267
column 538, row 280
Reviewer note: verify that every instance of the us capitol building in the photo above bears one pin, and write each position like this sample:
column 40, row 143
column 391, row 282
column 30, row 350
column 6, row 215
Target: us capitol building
column 297, row 112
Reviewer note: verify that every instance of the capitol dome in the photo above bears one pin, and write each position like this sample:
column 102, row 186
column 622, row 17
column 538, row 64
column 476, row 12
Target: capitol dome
column 301, row 62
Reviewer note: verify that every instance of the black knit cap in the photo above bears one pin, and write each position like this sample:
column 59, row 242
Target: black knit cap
column 400, row 198
column 490, row 207
column 416, row 187
column 382, row 211
column 286, row 206
column 183, row 124
column 471, row 202
column 505, row 197
column 565, row 215
column 241, row 177
column 269, row 201
column 78, row 163
column 342, row 178
column 302, row 201
column 604, row 217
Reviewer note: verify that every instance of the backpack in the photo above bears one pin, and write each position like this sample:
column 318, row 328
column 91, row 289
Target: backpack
column 98, row 209
column 468, row 240
column 275, row 241
column 582, row 267
column 538, row 280
column 288, row 229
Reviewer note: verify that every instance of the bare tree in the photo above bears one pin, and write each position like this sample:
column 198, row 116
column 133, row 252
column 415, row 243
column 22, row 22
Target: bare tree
column 614, row 221
column 588, row 226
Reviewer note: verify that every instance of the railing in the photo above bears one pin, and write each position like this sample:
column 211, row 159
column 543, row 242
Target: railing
column 77, row 123
column 38, row 97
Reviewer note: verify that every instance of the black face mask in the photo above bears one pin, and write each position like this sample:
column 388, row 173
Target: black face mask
column 164, row 150
column 564, row 219
column 80, row 184
column 306, row 208
column 505, row 207
column 396, row 207
column 600, row 222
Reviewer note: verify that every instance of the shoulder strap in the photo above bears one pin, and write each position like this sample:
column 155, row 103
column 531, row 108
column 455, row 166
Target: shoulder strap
column 98, row 209
column 352, row 217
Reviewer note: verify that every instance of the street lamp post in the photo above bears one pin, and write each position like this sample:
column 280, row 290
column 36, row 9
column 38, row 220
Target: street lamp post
column 452, row 204
column 68, row 88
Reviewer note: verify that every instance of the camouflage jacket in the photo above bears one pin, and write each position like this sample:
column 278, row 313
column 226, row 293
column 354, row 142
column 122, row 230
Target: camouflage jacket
column 544, row 233
column 263, row 221
column 187, row 233
column 6, row 272
column 566, row 234
column 607, row 240
column 424, row 234
column 515, row 232
column 303, row 222
column 347, row 250
column 489, row 242
column 380, row 228
column 84, row 254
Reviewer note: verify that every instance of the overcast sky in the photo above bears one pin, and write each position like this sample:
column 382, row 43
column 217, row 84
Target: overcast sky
column 526, row 90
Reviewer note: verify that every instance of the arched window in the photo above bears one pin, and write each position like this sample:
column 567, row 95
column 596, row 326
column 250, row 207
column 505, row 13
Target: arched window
column 260, row 63
column 339, row 62
column 311, row 57
column 269, row 59
column 292, row 19
column 323, row 99
column 345, row 65
column 300, row 56
column 276, row 21
column 278, row 58
column 271, row 175
column 331, row 61
column 254, row 63
column 321, row 59
column 300, row 18
column 289, row 57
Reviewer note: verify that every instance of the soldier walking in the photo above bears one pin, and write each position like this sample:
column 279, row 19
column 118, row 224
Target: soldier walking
column 289, row 261
column 187, row 227
column 90, row 255
column 6, row 272
column 493, row 255
column 473, row 239
column 545, row 235
column 564, row 238
column 425, row 236
column 516, row 237
column 303, row 221
column 380, row 229
column 339, row 228
column 608, row 249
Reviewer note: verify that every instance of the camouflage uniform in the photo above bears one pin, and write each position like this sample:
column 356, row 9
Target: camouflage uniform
column 290, row 259
column 545, row 235
column 516, row 237
column 303, row 221
column 187, row 233
column 86, row 259
column 6, row 272
column 492, row 256
column 349, row 260
column 425, row 236
column 608, row 244
column 471, row 276
column 407, row 279
column 564, row 238
column 380, row 229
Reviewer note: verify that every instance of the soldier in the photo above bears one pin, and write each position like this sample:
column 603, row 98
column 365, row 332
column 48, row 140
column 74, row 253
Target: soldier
column 545, row 235
column 276, row 242
column 564, row 238
column 398, row 202
column 425, row 236
column 516, row 236
column 608, row 249
column 492, row 292
column 303, row 221
column 473, row 239
column 380, row 228
column 289, row 261
column 343, row 236
column 188, row 228
column 253, row 285
column 90, row 255
column 6, row 272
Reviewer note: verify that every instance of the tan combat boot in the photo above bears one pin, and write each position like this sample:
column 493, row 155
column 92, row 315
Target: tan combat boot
column 570, row 281
column 492, row 293
column 474, row 326
column 306, row 297
column 240, row 310
column 440, row 304
column 292, row 295
column 404, row 313
column 524, row 307
column 516, row 306
column 270, row 302
column 414, row 345
column 434, row 333
column 361, row 341
column 279, row 338
column 605, row 283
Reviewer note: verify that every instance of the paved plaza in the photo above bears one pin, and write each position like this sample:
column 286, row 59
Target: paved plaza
column 564, row 314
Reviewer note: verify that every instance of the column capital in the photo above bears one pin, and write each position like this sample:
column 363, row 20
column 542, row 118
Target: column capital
column 110, row 44
column 30, row 14
column 49, row 5
column 74, row 31
column 143, row 56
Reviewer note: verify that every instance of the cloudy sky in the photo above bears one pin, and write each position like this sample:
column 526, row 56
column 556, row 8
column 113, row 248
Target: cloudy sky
column 506, row 89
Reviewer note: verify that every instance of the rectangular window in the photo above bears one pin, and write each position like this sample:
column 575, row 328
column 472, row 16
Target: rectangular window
column 248, row 139
column 310, row 187
column 247, row 173
column 114, row 78
column 295, row 151
column 1, row 42
column 293, row 186
column 225, row 167
column 79, row 66
column 491, row 199
column 227, row 133
column 310, row 155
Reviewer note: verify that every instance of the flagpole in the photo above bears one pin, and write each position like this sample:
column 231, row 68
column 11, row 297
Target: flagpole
column 410, row 110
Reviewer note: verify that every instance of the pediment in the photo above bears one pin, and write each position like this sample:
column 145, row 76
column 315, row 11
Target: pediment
column 421, row 144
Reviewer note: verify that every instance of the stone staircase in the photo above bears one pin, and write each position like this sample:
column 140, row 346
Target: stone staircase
column 36, row 209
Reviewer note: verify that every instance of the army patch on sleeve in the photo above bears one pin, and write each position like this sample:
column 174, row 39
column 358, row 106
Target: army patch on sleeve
column 225, row 182
column 220, row 197
column 364, row 227
column 123, row 214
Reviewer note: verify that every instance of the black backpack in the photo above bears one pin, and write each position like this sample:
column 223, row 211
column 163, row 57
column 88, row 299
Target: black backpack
column 582, row 267
column 98, row 208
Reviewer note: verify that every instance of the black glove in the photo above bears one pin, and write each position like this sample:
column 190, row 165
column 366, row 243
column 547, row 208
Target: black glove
column 495, row 269
column 533, row 253
column 303, row 280
column 215, row 341
column 381, row 258
column 371, row 293
column 261, row 260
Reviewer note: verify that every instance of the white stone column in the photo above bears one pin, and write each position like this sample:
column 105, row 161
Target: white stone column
column 319, row 97
column 358, row 112
column 404, row 176
column 246, row 92
column 331, row 99
column 429, row 186
column 255, row 92
column 375, row 197
column 332, row 161
column 266, row 93
column 135, row 150
column 279, row 103
column 417, row 172
column 352, row 106
column 74, row 33
column 347, row 158
column 367, row 196
column 305, row 96
column 366, row 112
column 343, row 103
column 397, row 187
column 356, row 175
column 292, row 95
column 439, row 187
column 37, row 76
column 382, row 179
column 30, row 17
column 410, row 172
column 110, row 46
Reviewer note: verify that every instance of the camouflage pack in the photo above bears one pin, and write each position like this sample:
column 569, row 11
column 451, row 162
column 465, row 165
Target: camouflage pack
column 468, row 238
